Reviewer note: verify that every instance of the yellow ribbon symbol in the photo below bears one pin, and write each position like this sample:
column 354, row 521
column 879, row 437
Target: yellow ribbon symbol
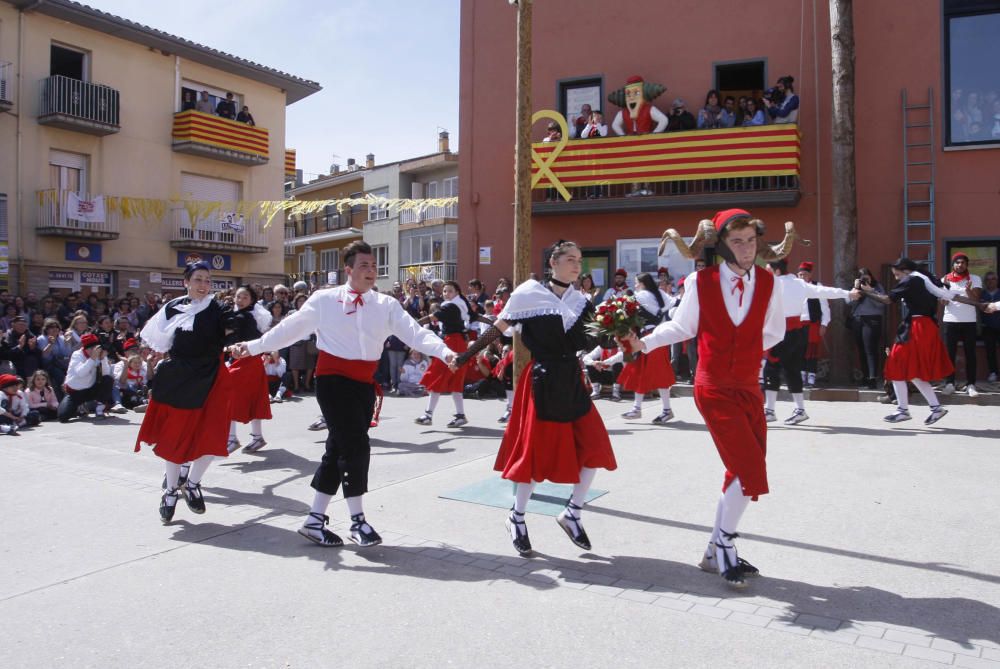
column 544, row 164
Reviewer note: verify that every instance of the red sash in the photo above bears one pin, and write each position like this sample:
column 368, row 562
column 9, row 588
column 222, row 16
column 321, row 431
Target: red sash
column 357, row 370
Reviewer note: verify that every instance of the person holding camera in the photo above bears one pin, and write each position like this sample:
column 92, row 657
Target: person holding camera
column 88, row 378
column 782, row 102
column 866, row 324
column 680, row 118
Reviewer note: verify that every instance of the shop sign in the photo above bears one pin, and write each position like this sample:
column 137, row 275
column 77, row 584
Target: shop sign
column 95, row 278
column 219, row 262
column 56, row 276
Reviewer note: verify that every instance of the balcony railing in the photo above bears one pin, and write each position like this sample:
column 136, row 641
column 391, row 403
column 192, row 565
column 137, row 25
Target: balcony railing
column 6, row 87
column 74, row 215
column 208, row 135
column 79, row 105
column 227, row 231
column 679, row 170
column 412, row 216
column 446, row 271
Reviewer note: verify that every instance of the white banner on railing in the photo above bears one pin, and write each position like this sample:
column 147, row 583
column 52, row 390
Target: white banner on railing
column 88, row 211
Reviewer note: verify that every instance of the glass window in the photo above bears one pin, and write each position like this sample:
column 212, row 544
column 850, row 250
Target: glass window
column 973, row 101
column 381, row 260
column 378, row 212
column 329, row 260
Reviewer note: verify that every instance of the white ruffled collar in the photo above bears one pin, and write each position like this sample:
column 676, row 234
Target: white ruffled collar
column 531, row 299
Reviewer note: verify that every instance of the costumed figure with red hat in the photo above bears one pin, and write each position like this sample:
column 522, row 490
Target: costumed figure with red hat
column 815, row 317
column 638, row 116
column 187, row 418
column 88, row 379
column 648, row 371
column 789, row 355
column 619, row 286
column 960, row 321
column 131, row 377
column 351, row 323
column 736, row 311
column 554, row 432
column 453, row 317
column 918, row 355
column 251, row 397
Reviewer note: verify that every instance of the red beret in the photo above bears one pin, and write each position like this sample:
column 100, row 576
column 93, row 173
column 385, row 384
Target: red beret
column 634, row 79
column 958, row 254
column 130, row 343
column 663, row 270
column 88, row 340
column 723, row 218
column 8, row 380
column 806, row 266
column 621, row 271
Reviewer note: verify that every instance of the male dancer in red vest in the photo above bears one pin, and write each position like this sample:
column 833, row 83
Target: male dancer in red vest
column 736, row 313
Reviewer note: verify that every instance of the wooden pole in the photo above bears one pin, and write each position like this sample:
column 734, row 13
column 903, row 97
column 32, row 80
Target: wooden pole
column 522, row 167
column 844, row 192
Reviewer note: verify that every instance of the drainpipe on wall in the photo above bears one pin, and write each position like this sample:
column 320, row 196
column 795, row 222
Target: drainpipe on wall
column 18, row 195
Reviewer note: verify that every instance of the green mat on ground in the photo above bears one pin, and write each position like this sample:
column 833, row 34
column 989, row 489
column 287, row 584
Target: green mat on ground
column 548, row 498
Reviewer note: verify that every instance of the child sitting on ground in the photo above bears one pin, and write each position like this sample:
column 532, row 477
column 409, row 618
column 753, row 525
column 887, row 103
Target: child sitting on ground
column 409, row 376
column 41, row 397
column 275, row 368
column 14, row 411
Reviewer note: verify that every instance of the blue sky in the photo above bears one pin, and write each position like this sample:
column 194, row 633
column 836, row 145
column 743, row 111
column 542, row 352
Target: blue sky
column 389, row 68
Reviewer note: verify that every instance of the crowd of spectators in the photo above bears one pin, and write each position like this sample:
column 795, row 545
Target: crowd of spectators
column 226, row 108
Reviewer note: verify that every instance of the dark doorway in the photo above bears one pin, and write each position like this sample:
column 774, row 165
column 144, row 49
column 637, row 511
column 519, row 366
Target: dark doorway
column 68, row 63
column 745, row 78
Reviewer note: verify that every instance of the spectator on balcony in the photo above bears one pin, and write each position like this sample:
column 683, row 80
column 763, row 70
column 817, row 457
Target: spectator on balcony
column 226, row 108
column 710, row 116
column 595, row 126
column 727, row 118
column 204, row 103
column 188, row 101
column 245, row 116
column 754, row 114
column 783, row 105
column 741, row 109
column 576, row 130
column 680, row 118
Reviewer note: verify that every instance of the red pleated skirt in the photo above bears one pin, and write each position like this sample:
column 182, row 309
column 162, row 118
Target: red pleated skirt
column 250, row 398
column 922, row 357
column 542, row 450
column 648, row 371
column 183, row 435
column 438, row 378
column 815, row 348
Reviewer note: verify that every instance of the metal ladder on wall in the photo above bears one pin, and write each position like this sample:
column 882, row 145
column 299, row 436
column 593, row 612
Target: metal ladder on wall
column 918, row 181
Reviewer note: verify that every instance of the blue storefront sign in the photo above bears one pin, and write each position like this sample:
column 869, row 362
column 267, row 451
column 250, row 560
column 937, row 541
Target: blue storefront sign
column 220, row 262
column 79, row 252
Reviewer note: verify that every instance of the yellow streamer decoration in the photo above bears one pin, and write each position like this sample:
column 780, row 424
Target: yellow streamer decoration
column 544, row 165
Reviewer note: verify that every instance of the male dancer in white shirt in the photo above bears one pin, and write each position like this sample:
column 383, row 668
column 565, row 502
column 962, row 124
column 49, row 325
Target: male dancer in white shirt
column 351, row 323
column 789, row 355
column 735, row 309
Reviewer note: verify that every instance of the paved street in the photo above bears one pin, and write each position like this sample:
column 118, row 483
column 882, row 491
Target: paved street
column 878, row 547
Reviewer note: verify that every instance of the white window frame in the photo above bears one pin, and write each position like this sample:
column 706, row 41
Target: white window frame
column 381, row 253
column 213, row 91
column 449, row 187
column 329, row 260
column 378, row 212
column 628, row 253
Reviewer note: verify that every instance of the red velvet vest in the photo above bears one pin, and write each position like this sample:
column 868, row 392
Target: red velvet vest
column 729, row 355
column 643, row 123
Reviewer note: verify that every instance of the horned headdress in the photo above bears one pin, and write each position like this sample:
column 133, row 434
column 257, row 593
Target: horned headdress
column 710, row 231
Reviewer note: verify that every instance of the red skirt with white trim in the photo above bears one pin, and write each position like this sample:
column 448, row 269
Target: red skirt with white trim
column 438, row 378
column 923, row 356
column 183, row 435
column 250, row 397
column 538, row 450
column 648, row 371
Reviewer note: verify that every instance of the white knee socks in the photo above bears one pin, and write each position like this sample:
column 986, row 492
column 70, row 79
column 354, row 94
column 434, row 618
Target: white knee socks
column 232, row 430
column 173, row 472
column 731, row 507
column 354, row 505
column 320, row 503
column 459, row 403
column 770, row 398
column 637, row 405
column 198, row 468
column 927, row 391
column 255, row 428
column 800, row 400
column 665, row 398
column 580, row 489
column 522, row 493
column 432, row 402
column 902, row 395
column 510, row 399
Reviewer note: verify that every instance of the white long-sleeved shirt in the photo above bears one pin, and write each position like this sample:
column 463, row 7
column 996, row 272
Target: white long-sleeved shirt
column 82, row 372
column 684, row 324
column 795, row 292
column 348, row 330
column 647, row 301
column 588, row 130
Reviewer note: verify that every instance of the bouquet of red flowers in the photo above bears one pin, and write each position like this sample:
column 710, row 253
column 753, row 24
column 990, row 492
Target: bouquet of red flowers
column 616, row 318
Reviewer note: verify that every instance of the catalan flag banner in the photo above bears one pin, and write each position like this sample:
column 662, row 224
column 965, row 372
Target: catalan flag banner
column 201, row 128
column 290, row 163
column 677, row 156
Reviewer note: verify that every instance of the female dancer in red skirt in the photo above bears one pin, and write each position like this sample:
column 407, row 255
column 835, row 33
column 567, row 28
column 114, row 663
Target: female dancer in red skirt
column 648, row 371
column 454, row 319
column 251, row 401
column 554, row 432
column 918, row 355
column 188, row 415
